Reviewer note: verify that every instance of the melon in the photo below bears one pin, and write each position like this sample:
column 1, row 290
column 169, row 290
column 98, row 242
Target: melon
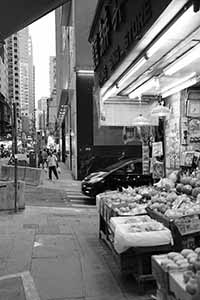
column 197, row 184
column 187, row 189
column 195, row 192
column 198, row 198
column 193, row 182
column 185, row 180
column 179, row 187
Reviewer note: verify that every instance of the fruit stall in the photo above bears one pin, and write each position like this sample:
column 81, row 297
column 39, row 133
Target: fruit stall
column 138, row 223
column 130, row 233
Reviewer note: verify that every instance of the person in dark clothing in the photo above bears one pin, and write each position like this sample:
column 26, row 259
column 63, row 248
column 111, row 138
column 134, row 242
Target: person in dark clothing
column 52, row 165
column 39, row 158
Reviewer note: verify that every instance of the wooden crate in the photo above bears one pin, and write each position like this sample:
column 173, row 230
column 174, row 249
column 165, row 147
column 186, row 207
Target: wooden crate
column 161, row 276
column 177, row 288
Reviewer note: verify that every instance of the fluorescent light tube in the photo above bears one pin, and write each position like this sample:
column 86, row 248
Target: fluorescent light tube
column 110, row 92
column 143, row 88
column 178, row 81
column 174, row 30
column 131, row 71
column 183, row 61
column 180, row 87
column 85, row 72
column 134, row 86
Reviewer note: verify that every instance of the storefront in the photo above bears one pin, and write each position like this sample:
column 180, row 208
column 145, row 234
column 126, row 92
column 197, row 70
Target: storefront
column 146, row 55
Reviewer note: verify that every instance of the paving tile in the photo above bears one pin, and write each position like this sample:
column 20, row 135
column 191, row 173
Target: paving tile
column 54, row 246
column 106, row 297
column 58, row 278
column 65, row 228
column 7, row 243
column 100, row 284
column 12, row 289
column 30, row 226
column 48, row 229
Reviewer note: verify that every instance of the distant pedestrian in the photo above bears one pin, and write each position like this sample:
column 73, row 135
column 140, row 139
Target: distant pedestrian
column 52, row 162
column 44, row 157
column 58, row 155
column 39, row 158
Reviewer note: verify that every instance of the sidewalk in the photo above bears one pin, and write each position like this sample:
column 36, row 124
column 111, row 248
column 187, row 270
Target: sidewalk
column 53, row 253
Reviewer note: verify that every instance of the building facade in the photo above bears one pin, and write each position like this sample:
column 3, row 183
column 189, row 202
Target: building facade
column 52, row 101
column 52, row 73
column 145, row 55
column 5, row 107
column 74, row 81
column 14, row 76
column 27, row 81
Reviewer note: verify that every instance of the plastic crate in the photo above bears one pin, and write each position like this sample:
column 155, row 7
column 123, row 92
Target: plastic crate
column 183, row 236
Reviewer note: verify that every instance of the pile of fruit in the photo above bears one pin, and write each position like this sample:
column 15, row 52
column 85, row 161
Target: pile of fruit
column 188, row 262
column 130, row 201
column 146, row 227
column 189, row 184
column 185, row 260
column 172, row 205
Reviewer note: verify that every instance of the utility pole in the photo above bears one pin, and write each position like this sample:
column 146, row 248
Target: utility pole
column 15, row 151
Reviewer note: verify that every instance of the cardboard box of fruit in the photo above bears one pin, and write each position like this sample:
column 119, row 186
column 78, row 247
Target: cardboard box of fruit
column 178, row 273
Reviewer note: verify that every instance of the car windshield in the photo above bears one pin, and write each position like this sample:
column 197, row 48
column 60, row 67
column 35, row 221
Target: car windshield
column 120, row 164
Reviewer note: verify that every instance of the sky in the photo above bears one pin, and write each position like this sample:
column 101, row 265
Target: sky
column 43, row 39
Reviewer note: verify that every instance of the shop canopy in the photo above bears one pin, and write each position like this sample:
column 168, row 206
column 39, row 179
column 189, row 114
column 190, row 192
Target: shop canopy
column 153, row 59
column 15, row 15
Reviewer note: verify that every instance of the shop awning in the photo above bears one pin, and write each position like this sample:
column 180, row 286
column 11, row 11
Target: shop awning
column 164, row 60
column 125, row 114
column 15, row 15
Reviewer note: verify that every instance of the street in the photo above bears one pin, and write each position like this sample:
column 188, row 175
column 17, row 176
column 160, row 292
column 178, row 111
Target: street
column 51, row 250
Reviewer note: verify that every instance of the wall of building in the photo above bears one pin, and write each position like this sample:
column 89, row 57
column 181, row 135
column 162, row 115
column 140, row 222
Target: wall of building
column 84, row 12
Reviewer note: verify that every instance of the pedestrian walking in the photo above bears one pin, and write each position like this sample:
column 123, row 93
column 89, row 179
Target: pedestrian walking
column 44, row 157
column 39, row 158
column 52, row 165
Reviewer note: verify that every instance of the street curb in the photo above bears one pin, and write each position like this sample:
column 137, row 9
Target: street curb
column 28, row 284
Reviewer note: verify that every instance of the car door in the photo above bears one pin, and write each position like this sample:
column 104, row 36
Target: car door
column 130, row 174
column 117, row 178
column 133, row 174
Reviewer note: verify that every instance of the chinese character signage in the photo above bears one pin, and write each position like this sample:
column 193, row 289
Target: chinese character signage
column 116, row 29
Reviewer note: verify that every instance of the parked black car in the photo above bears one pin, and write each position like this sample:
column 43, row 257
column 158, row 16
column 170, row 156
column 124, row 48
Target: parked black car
column 124, row 173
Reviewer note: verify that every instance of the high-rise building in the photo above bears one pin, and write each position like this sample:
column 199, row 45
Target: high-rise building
column 4, row 73
column 12, row 45
column 42, row 114
column 5, row 108
column 52, row 101
column 52, row 73
column 27, row 82
column 21, row 78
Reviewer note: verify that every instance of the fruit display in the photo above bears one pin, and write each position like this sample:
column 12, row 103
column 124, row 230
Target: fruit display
column 117, row 221
column 179, row 273
column 189, row 184
column 174, row 206
column 130, row 201
column 141, row 234
column 146, row 227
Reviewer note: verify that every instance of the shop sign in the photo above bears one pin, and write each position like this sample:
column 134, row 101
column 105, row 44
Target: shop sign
column 118, row 29
column 145, row 159
column 157, row 149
